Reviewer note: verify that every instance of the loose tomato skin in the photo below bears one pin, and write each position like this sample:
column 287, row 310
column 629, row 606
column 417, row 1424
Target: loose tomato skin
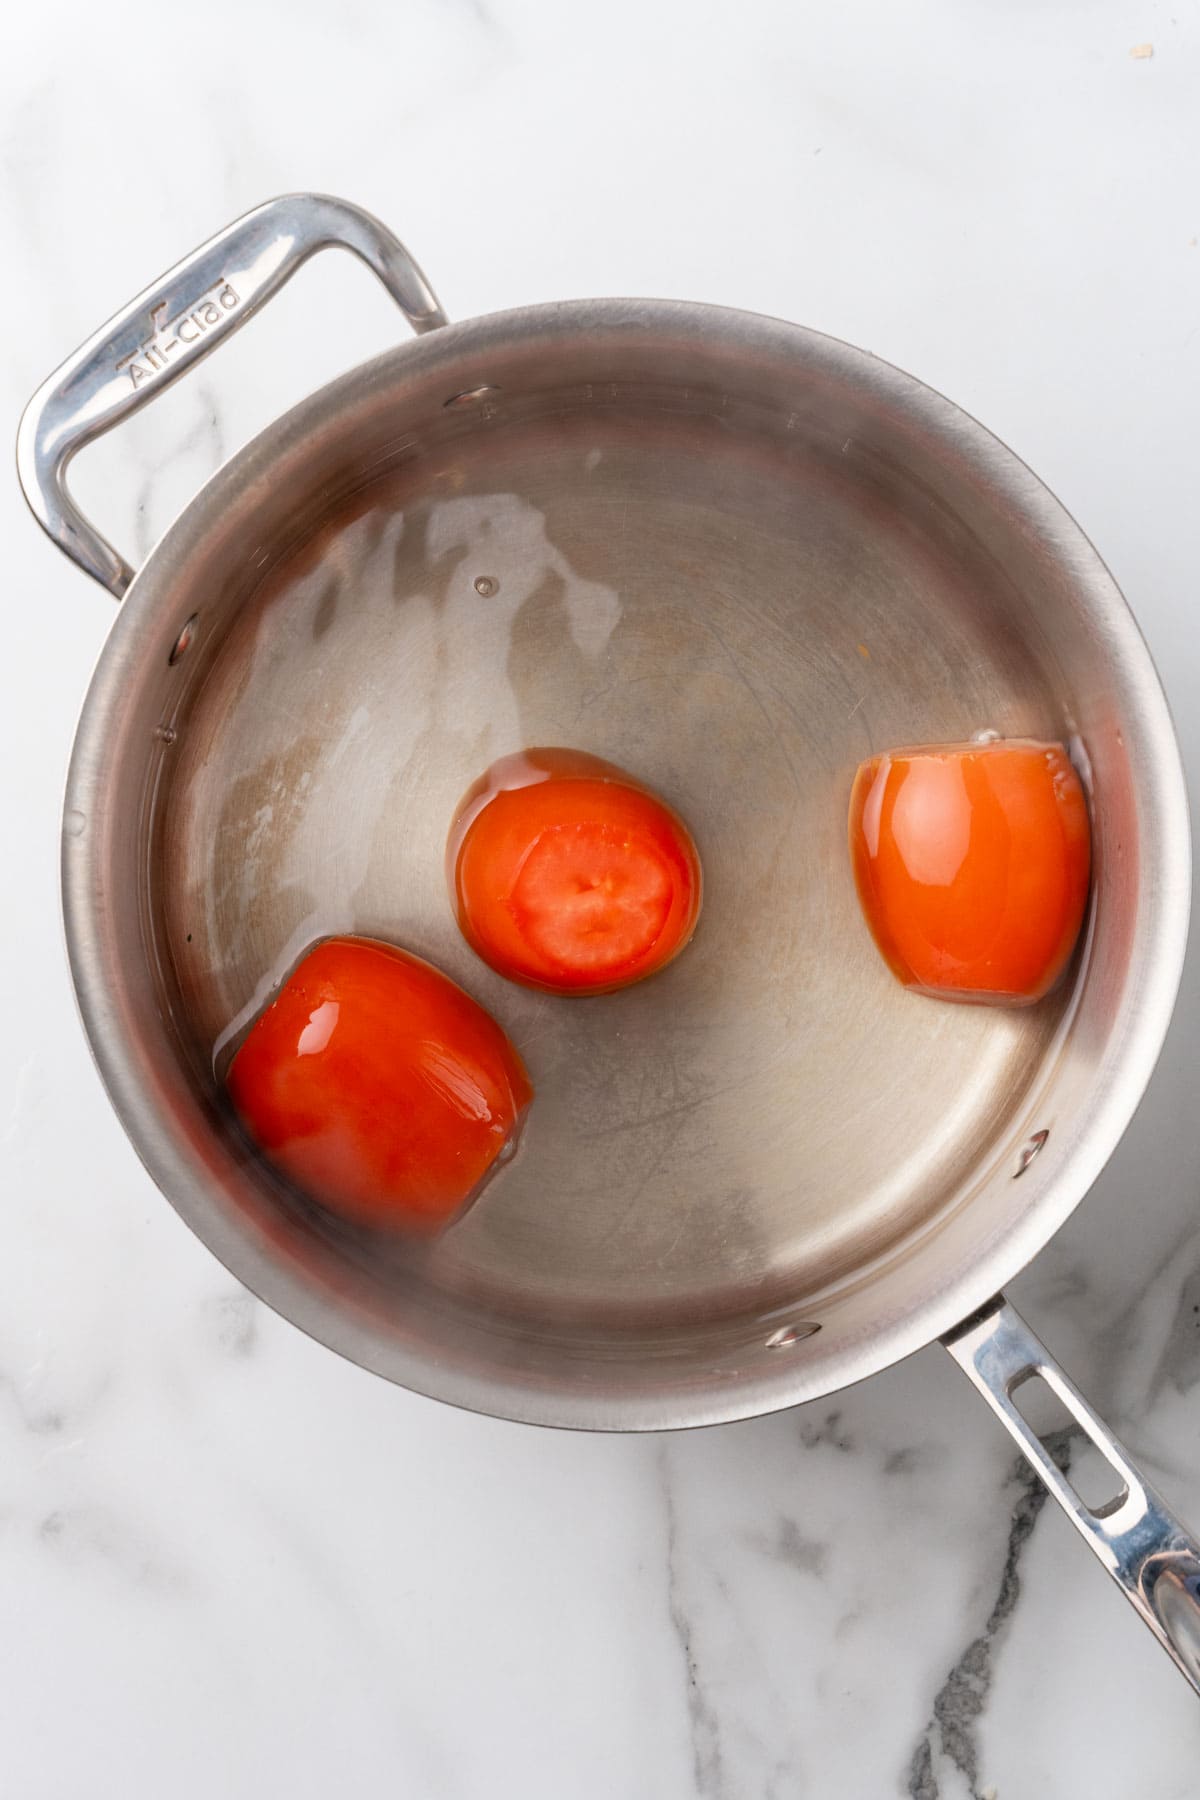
column 378, row 1087
column 569, row 875
column 972, row 863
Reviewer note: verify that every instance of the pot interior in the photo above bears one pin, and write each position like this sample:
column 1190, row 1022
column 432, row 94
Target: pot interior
column 735, row 574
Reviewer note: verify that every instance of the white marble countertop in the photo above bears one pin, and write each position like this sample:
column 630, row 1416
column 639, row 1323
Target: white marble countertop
column 233, row 1565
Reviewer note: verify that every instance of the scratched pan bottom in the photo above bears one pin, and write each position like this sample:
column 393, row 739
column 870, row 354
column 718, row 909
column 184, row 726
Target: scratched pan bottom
column 736, row 618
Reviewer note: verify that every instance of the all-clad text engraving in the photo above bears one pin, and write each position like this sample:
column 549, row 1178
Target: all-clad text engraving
column 168, row 335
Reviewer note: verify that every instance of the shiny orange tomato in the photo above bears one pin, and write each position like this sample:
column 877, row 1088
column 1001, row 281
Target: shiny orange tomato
column 972, row 863
column 378, row 1087
column 569, row 875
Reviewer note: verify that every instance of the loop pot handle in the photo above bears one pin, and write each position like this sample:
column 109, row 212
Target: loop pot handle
column 169, row 327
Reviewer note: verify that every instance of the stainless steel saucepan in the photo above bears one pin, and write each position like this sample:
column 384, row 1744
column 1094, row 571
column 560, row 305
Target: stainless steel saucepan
column 735, row 557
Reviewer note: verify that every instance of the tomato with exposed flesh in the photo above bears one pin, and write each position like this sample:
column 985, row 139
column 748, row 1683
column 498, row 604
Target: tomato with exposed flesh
column 568, row 874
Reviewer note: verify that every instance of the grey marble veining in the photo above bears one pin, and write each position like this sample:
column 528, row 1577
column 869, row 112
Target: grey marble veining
column 233, row 1564
column 948, row 1744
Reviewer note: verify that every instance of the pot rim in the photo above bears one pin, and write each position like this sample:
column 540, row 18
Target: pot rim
column 1047, row 1198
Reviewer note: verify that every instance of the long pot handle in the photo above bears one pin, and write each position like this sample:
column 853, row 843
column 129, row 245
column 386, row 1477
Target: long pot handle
column 169, row 327
column 1144, row 1547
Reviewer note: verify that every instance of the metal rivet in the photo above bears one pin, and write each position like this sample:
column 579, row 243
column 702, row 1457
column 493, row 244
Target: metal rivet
column 471, row 396
column 74, row 823
column 787, row 1335
column 183, row 642
column 165, row 734
column 1029, row 1151
column 486, row 585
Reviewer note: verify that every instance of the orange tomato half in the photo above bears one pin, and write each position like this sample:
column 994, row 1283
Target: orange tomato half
column 568, row 874
column 972, row 863
column 378, row 1087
